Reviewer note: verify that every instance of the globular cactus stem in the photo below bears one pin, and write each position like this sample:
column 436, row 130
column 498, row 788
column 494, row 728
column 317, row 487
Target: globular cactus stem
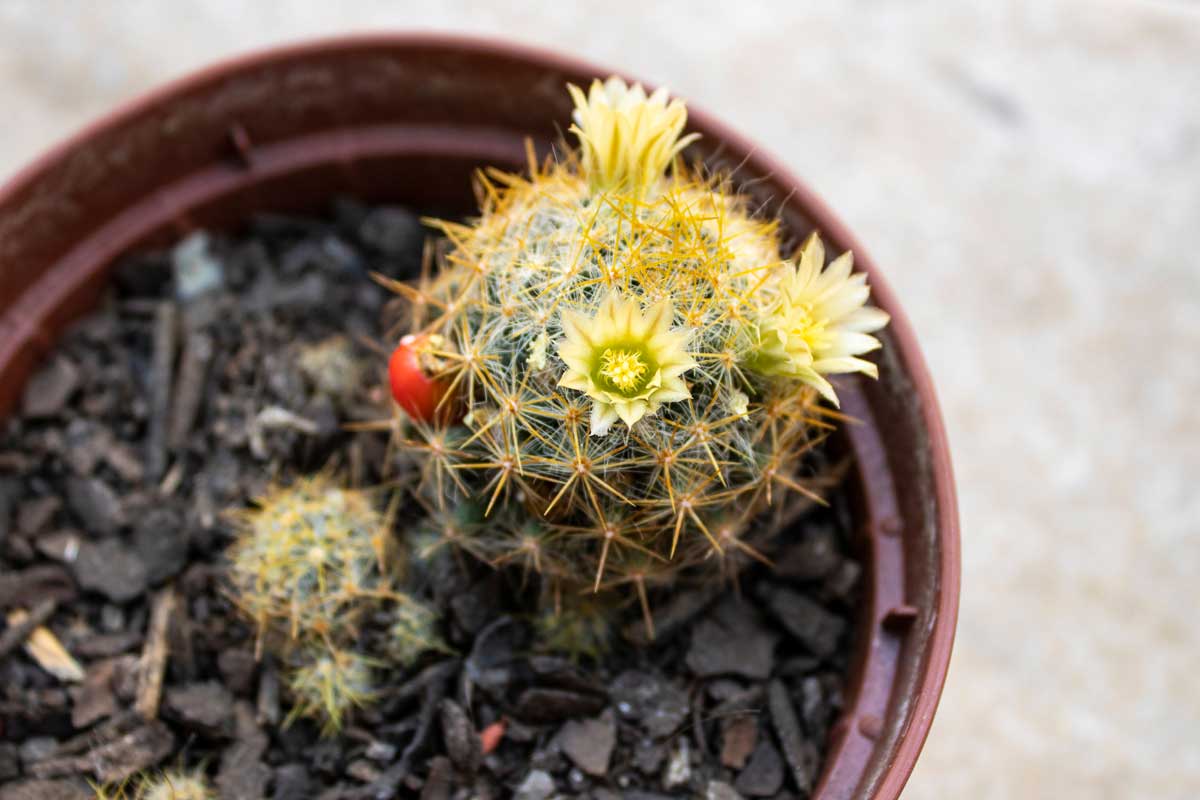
column 309, row 564
column 641, row 367
column 307, row 557
column 173, row 784
column 329, row 684
column 413, row 632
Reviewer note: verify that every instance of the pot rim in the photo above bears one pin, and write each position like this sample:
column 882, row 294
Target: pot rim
column 929, row 687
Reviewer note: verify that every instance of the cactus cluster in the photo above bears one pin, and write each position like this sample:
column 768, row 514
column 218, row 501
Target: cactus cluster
column 612, row 377
column 628, row 369
column 310, row 559
column 309, row 563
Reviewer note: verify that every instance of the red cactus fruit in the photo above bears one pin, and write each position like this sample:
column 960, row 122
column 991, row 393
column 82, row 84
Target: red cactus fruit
column 417, row 393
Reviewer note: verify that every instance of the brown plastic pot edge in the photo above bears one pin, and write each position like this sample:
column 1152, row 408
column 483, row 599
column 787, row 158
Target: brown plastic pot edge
column 40, row 292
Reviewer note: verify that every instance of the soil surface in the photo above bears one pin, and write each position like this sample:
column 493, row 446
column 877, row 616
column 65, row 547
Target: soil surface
column 183, row 396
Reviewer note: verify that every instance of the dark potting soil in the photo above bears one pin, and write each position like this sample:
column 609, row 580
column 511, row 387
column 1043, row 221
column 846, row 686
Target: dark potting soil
column 184, row 395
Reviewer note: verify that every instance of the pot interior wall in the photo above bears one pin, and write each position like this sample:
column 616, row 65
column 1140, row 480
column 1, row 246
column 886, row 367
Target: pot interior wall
column 407, row 120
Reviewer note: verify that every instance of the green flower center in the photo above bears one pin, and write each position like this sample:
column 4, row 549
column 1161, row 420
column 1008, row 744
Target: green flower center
column 622, row 368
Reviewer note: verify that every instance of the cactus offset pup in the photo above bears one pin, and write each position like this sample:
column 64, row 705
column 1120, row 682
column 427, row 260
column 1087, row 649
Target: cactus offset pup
column 309, row 564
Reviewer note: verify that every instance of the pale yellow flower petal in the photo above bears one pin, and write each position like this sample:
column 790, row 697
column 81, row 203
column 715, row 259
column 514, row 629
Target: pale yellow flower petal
column 576, row 327
column 838, row 270
column 603, row 416
column 850, row 343
column 837, row 366
column 814, row 379
column 630, row 411
column 865, row 320
column 653, row 320
column 670, row 393
column 575, row 380
column 812, row 258
column 575, row 361
column 840, row 303
column 678, row 368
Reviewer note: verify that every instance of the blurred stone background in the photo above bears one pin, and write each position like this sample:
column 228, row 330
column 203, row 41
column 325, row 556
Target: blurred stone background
column 1028, row 175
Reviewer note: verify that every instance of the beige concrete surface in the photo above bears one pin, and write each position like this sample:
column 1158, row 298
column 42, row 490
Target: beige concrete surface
column 1028, row 174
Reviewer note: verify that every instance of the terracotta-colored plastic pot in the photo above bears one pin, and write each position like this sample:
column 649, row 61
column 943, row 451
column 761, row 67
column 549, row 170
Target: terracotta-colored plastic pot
column 406, row 118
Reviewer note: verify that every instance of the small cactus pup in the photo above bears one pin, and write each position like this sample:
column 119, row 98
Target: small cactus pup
column 413, row 631
column 329, row 684
column 175, row 784
column 308, row 565
column 310, row 559
column 642, row 368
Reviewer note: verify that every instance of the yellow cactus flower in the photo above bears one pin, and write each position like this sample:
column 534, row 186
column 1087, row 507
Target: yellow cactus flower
column 627, row 140
column 629, row 362
column 820, row 323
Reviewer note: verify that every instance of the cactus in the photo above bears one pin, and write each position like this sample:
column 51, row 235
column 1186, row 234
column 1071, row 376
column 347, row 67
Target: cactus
column 169, row 785
column 310, row 562
column 328, row 684
column 176, row 786
column 643, row 368
column 413, row 631
column 309, row 559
